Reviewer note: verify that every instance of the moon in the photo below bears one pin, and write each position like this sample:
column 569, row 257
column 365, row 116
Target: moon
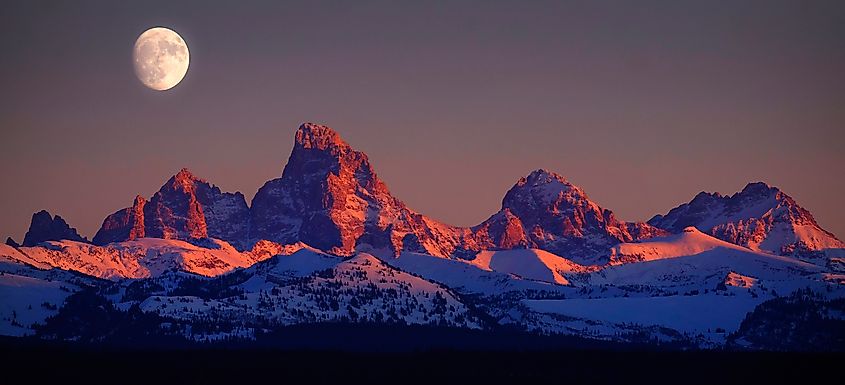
column 161, row 58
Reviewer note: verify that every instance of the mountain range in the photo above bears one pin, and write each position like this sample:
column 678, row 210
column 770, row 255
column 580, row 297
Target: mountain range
column 328, row 242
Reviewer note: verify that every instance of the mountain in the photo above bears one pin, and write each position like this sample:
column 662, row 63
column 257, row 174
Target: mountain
column 147, row 257
column 186, row 207
column 329, row 197
column 327, row 243
column 690, row 241
column 545, row 211
column 139, row 258
column 308, row 286
column 31, row 291
column 49, row 228
column 530, row 264
column 759, row 217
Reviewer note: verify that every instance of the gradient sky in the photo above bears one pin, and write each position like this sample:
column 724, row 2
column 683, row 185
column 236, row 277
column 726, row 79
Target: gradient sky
column 643, row 104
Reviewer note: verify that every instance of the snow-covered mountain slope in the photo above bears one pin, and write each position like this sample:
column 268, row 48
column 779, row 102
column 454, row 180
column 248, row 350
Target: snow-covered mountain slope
column 30, row 291
column 140, row 258
column 690, row 241
column 285, row 268
column 531, row 264
column 26, row 301
column 329, row 289
column 694, row 260
column 328, row 242
column 467, row 277
column 759, row 217
column 690, row 282
column 12, row 261
column 695, row 315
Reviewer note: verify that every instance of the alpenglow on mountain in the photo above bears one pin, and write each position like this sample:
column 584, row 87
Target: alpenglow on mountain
column 327, row 242
column 330, row 197
column 759, row 217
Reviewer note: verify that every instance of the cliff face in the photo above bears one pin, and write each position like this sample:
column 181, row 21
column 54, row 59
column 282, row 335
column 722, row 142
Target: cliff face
column 760, row 217
column 545, row 211
column 45, row 227
column 186, row 207
column 329, row 197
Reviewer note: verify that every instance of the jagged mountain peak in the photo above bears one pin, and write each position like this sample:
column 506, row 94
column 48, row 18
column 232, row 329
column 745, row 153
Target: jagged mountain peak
column 46, row 227
column 541, row 188
column 317, row 136
column 542, row 175
column 760, row 217
column 707, row 196
column 549, row 180
column 544, row 190
column 543, row 210
column 759, row 188
column 330, row 197
column 183, row 181
column 186, row 207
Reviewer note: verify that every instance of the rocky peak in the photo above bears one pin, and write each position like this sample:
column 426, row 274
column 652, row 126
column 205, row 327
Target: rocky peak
column 543, row 191
column 557, row 216
column 316, row 136
column 186, row 207
column 49, row 228
column 761, row 217
column 330, row 197
column 319, row 151
column 705, row 197
column 758, row 189
column 11, row 242
column 183, row 181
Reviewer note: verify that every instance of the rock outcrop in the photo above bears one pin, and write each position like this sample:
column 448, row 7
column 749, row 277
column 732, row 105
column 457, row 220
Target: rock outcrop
column 760, row 217
column 186, row 208
column 45, row 227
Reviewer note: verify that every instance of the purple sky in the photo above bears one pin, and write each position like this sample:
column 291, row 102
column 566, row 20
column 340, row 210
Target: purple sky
column 643, row 104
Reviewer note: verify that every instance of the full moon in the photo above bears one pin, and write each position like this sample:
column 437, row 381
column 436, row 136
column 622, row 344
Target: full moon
column 161, row 58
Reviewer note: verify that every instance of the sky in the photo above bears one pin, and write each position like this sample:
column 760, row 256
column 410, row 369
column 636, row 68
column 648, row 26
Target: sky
column 642, row 104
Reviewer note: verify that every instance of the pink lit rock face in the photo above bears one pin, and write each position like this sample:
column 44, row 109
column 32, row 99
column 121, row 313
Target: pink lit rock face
column 186, row 208
column 329, row 197
column 545, row 211
column 759, row 217
column 549, row 246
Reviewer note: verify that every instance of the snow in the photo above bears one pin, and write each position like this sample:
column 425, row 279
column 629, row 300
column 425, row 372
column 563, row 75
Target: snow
column 10, row 254
column 693, row 260
column 531, row 264
column 694, row 314
column 690, row 282
column 362, row 285
column 758, row 209
column 140, row 258
column 739, row 280
column 25, row 301
column 463, row 275
column 691, row 241
column 282, row 268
